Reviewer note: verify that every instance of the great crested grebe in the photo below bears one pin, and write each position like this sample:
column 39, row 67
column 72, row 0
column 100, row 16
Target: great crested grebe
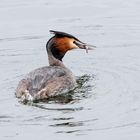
column 56, row 78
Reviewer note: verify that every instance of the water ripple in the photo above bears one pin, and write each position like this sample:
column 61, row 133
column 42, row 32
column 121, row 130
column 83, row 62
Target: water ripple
column 22, row 38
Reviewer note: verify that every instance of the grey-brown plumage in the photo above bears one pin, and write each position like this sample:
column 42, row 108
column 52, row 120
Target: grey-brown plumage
column 55, row 79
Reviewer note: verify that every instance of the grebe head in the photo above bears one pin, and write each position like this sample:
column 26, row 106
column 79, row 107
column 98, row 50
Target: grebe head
column 61, row 42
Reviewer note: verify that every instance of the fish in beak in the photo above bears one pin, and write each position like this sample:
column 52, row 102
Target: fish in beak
column 85, row 46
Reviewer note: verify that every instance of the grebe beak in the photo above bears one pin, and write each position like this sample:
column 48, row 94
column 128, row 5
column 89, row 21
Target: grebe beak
column 85, row 46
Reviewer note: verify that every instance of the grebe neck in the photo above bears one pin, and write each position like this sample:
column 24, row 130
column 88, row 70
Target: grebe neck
column 53, row 61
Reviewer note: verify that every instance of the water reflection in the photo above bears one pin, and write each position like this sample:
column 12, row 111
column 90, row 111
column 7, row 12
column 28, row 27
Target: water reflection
column 4, row 118
column 43, row 106
column 73, row 123
column 80, row 132
column 69, row 124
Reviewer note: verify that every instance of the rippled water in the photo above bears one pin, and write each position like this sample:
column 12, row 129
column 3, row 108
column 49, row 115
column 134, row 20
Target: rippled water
column 106, row 105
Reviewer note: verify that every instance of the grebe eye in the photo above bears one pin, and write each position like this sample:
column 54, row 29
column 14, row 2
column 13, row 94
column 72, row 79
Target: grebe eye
column 74, row 42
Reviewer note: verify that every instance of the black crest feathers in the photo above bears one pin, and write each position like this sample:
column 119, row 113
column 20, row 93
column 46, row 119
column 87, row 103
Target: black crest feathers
column 63, row 34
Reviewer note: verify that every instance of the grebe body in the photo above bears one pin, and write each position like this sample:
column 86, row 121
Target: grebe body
column 54, row 79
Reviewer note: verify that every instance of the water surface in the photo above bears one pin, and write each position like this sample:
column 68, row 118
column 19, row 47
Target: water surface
column 107, row 105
